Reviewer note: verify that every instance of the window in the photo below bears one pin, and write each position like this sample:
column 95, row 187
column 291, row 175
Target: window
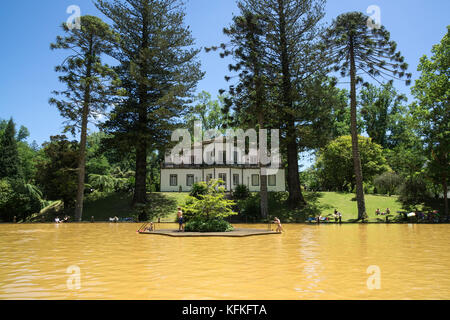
column 173, row 180
column 236, row 157
column 235, row 179
column 255, row 180
column 223, row 177
column 209, row 176
column 189, row 179
column 272, row 180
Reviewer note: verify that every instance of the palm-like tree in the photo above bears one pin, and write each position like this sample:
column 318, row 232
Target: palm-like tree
column 355, row 47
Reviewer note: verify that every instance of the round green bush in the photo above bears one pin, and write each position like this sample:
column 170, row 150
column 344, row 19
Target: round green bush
column 213, row 225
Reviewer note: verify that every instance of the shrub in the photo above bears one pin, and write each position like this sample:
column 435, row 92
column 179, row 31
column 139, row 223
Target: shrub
column 387, row 182
column 241, row 192
column 199, row 189
column 212, row 225
column 207, row 212
column 413, row 192
column 18, row 199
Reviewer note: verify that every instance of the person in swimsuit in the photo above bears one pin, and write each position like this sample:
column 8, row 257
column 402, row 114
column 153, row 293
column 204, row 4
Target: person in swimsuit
column 278, row 222
column 180, row 219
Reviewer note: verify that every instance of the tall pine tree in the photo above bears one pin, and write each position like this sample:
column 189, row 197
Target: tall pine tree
column 159, row 70
column 89, row 84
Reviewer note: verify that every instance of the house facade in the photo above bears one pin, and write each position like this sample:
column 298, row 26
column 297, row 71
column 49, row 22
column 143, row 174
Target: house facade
column 181, row 177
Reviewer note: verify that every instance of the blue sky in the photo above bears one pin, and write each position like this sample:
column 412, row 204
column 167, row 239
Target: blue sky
column 28, row 27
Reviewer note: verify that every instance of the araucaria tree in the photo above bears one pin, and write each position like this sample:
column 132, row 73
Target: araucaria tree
column 159, row 71
column 357, row 48
column 89, row 83
column 432, row 112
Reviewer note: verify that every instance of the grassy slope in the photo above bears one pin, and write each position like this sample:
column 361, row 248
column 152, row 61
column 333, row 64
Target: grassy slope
column 342, row 202
column 167, row 203
column 119, row 205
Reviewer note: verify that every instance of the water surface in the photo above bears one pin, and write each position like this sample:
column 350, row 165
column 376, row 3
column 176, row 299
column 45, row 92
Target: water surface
column 307, row 262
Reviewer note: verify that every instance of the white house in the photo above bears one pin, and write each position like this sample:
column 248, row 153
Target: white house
column 181, row 177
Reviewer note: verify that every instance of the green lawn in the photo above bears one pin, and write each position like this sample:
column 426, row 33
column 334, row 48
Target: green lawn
column 344, row 204
column 166, row 203
column 118, row 205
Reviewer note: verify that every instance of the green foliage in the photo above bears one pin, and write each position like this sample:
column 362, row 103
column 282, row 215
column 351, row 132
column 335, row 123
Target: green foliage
column 159, row 72
column 57, row 170
column 413, row 193
column 207, row 111
column 335, row 163
column 209, row 207
column 90, row 83
column 212, row 204
column 199, row 189
column 383, row 114
column 18, row 199
column 214, row 225
column 354, row 48
column 432, row 90
column 249, row 208
column 9, row 156
column 388, row 182
column 241, row 192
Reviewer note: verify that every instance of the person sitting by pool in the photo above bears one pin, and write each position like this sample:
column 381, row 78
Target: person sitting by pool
column 377, row 212
column 279, row 227
column 149, row 228
column 180, row 219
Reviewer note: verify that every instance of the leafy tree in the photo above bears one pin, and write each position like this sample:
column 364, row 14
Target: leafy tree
column 355, row 47
column 89, row 84
column 382, row 111
column 207, row 111
column 159, row 71
column 209, row 209
column 388, row 182
column 414, row 192
column 9, row 156
column 198, row 189
column 18, row 199
column 432, row 91
column 334, row 163
column 57, row 171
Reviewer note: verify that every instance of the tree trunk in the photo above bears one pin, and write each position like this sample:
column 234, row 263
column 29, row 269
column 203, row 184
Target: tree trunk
column 263, row 174
column 83, row 138
column 82, row 164
column 295, row 194
column 140, row 190
column 354, row 132
column 295, row 199
column 445, row 190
